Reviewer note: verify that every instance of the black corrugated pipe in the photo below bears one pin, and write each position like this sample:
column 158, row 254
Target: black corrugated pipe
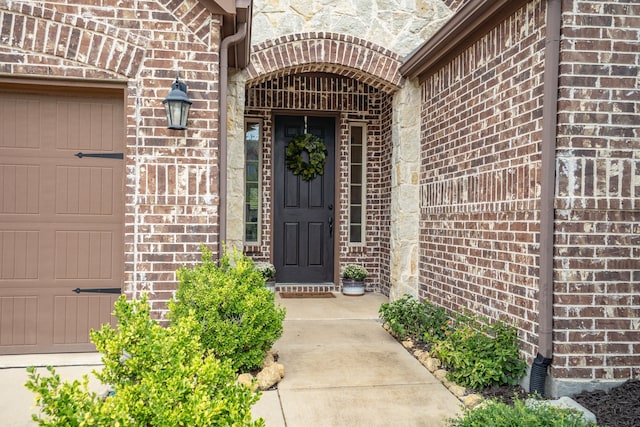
column 547, row 197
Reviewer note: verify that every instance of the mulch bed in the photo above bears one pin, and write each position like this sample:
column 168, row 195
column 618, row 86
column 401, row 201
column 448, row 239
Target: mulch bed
column 618, row 407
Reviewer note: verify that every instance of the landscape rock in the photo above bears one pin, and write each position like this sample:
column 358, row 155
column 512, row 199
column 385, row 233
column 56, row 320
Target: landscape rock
column 270, row 376
column 247, row 379
column 268, row 360
column 408, row 344
column 440, row 374
column 418, row 353
column 424, row 357
column 472, row 401
column 457, row 390
column 280, row 368
column 432, row 364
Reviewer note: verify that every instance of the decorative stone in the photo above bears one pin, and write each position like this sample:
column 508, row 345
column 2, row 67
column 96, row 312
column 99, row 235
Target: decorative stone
column 408, row 344
column 447, row 383
column 268, row 360
column 247, row 380
column 440, row 374
column 424, row 357
column 418, row 353
column 472, row 401
column 457, row 390
column 269, row 376
column 432, row 364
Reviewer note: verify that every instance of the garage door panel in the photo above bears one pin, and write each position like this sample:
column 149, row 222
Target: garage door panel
column 18, row 250
column 84, row 190
column 75, row 316
column 20, row 186
column 61, row 219
column 18, row 320
column 17, row 118
column 85, row 125
column 84, row 255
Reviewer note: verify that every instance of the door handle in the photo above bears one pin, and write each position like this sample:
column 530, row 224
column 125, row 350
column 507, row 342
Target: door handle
column 330, row 226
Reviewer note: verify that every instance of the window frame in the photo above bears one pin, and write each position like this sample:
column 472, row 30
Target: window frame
column 362, row 184
column 248, row 121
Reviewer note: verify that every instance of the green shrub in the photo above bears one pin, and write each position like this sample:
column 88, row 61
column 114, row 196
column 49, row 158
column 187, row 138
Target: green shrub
column 497, row 414
column 237, row 316
column 160, row 377
column 480, row 355
column 410, row 318
column 436, row 326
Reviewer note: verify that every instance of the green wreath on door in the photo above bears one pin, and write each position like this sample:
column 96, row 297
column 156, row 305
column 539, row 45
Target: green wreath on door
column 317, row 156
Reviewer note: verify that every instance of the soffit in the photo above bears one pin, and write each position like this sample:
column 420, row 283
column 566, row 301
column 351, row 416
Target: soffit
column 234, row 13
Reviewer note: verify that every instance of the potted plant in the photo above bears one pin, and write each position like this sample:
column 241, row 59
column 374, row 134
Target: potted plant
column 268, row 271
column 353, row 276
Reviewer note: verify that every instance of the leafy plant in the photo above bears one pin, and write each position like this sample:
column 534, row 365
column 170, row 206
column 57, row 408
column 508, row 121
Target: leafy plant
column 354, row 272
column 409, row 318
column 405, row 317
column 237, row 316
column 479, row 355
column 521, row 414
column 160, row 377
column 267, row 269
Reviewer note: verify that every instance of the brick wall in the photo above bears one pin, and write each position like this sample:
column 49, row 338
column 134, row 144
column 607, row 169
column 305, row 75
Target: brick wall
column 597, row 244
column 171, row 183
column 480, row 184
column 480, row 176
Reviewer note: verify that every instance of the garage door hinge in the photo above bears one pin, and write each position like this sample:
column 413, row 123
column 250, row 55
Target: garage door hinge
column 99, row 290
column 101, row 155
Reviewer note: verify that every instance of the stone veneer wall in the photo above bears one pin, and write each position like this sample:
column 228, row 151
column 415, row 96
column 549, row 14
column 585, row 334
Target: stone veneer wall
column 597, row 242
column 171, row 186
column 480, row 176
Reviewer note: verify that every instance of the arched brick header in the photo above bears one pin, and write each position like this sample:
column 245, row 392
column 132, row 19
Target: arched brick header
column 32, row 28
column 326, row 52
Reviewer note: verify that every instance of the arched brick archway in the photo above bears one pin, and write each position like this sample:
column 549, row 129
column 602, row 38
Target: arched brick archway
column 92, row 43
column 339, row 54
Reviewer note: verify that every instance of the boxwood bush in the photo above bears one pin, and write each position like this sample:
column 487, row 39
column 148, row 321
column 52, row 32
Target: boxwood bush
column 237, row 316
column 161, row 377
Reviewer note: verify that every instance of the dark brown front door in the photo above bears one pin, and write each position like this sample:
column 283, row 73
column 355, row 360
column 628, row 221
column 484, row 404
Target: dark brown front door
column 303, row 210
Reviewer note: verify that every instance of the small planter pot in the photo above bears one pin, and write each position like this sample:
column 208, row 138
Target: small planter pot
column 271, row 285
column 352, row 287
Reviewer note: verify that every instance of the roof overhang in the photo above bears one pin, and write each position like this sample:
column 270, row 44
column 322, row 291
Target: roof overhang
column 234, row 13
column 472, row 21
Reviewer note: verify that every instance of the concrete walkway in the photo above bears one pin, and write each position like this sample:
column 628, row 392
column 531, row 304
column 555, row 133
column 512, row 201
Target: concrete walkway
column 342, row 369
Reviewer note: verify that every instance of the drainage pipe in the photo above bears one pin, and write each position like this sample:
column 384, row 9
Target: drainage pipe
column 222, row 173
column 547, row 213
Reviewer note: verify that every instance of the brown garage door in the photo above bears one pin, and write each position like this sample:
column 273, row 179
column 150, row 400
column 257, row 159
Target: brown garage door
column 61, row 217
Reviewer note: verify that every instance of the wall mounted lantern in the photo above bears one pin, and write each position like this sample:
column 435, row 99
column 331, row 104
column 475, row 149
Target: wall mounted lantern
column 177, row 105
